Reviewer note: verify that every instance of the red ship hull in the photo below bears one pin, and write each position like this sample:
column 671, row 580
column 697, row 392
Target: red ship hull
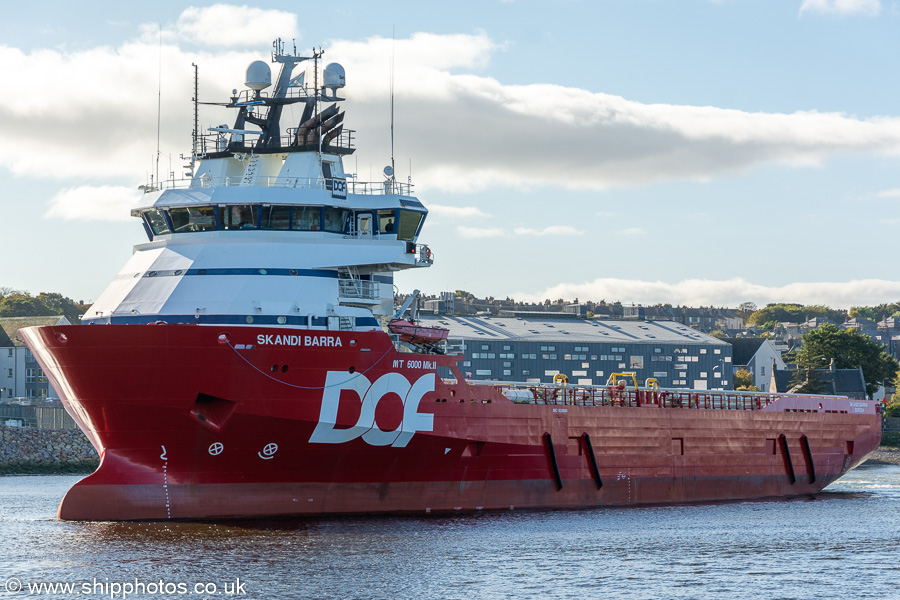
column 198, row 422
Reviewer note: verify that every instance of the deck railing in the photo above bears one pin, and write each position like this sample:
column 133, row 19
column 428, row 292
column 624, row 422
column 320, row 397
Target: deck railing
column 576, row 395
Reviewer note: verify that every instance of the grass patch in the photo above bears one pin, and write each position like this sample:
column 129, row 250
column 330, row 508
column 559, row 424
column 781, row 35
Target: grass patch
column 891, row 440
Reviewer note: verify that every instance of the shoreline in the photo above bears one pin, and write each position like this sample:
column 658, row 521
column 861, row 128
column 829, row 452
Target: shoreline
column 884, row 455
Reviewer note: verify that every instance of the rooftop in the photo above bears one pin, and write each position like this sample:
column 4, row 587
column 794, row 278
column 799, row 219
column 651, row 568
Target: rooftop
column 566, row 330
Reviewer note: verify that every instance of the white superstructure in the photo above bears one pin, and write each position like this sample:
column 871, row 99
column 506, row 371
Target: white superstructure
column 270, row 229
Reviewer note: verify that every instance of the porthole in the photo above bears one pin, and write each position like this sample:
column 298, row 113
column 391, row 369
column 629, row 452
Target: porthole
column 281, row 320
column 179, row 272
column 151, row 274
column 262, row 271
column 249, row 318
column 284, row 368
column 201, row 272
column 293, row 271
column 352, row 369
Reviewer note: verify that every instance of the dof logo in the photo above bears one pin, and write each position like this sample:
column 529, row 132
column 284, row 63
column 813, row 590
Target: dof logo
column 370, row 394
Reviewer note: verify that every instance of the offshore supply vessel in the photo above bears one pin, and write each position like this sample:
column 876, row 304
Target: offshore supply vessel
column 245, row 362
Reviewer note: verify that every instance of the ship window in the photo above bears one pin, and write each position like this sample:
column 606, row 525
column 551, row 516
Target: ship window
column 157, row 222
column 308, row 218
column 409, row 225
column 386, row 221
column 242, row 216
column 198, row 218
column 276, row 217
column 336, row 219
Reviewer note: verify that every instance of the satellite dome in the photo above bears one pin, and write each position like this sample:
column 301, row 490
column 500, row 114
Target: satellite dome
column 259, row 76
column 334, row 76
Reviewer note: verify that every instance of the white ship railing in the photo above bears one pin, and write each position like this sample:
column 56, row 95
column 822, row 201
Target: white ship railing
column 358, row 289
column 365, row 188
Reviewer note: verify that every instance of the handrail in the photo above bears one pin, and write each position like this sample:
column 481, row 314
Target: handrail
column 364, row 188
column 591, row 395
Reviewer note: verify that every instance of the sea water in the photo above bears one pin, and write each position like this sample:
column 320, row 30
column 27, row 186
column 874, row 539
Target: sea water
column 841, row 543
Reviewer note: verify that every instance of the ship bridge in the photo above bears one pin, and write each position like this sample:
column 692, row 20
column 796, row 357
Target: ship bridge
column 270, row 229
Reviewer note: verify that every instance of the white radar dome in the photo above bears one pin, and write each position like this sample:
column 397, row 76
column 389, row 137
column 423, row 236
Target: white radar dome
column 259, row 76
column 334, row 76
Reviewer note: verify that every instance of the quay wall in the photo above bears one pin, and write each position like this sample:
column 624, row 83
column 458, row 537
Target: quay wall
column 27, row 450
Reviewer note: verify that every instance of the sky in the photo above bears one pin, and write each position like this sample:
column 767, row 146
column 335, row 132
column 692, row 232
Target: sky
column 696, row 152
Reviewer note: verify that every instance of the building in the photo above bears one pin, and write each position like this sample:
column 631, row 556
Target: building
column 532, row 348
column 759, row 356
column 20, row 375
column 838, row 382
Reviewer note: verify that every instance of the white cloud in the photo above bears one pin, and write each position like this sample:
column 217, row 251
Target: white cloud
column 480, row 232
column 467, row 132
column 894, row 193
column 633, row 231
column 495, row 232
column 842, row 7
column 705, row 292
column 456, row 212
column 225, row 25
column 89, row 203
column 549, row 230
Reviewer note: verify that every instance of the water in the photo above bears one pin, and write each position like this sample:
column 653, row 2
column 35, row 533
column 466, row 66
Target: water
column 841, row 544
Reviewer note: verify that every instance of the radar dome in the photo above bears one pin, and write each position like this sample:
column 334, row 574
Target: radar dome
column 259, row 76
column 334, row 76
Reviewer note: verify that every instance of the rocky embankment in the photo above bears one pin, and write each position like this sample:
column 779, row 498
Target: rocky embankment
column 25, row 450
column 885, row 456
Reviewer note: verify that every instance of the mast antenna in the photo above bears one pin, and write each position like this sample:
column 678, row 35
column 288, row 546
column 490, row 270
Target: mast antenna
column 196, row 133
column 393, row 37
column 158, row 103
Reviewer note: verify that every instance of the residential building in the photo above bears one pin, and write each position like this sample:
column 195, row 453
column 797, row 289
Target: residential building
column 759, row 356
column 20, row 375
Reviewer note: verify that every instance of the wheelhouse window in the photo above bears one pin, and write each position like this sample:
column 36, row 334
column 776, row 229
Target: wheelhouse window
column 276, row 217
column 386, row 221
column 409, row 225
column 336, row 219
column 240, row 216
column 195, row 218
column 156, row 221
column 308, row 218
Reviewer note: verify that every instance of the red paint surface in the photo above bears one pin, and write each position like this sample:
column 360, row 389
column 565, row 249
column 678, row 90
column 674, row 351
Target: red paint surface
column 134, row 390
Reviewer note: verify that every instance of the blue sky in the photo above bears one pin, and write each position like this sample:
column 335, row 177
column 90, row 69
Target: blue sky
column 683, row 151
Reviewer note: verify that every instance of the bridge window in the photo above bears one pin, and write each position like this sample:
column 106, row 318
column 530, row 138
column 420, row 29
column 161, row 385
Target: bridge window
column 276, row 217
column 336, row 219
column 196, row 218
column 241, row 216
column 409, row 225
column 386, row 220
column 156, row 221
column 308, row 218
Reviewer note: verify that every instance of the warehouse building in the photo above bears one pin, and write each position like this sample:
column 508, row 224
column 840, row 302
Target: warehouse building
column 531, row 348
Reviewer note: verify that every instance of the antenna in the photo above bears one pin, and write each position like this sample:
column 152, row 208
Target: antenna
column 316, row 95
column 196, row 133
column 393, row 35
column 158, row 102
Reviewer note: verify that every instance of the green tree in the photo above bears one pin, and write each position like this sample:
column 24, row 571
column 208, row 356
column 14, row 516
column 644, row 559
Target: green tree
column 22, row 305
column 849, row 349
column 743, row 381
column 794, row 313
column 57, row 304
column 807, row 381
